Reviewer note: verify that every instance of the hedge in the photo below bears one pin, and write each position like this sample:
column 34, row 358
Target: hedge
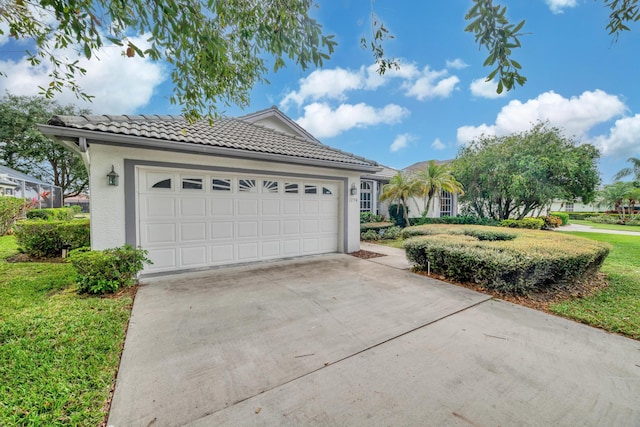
column 532, row 260
column 564, row 217
column 106, row 271
column 375, row 225
column 44, row 239
column 530, row 223
column 11, row 209
column 52, row 214
column 464, row 219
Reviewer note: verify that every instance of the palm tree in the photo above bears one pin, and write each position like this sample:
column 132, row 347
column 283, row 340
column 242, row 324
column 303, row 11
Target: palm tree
column 399, row 189
column 616, row 195
column 633, row 170
column 434, row 179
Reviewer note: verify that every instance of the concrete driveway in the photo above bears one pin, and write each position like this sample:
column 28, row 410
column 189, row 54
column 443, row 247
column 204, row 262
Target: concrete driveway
column 337, row 340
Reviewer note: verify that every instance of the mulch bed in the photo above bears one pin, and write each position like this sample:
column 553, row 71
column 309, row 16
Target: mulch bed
column 366, row 254
column 540, row 300
column 27, row 258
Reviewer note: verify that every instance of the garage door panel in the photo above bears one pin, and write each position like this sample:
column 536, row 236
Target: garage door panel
column 247, row 207
column 247, row 229
column 221, row 254
column 192, row 221
column 221, row 207
column 271, row 207
column 291, row 207
column 193, row 256
column 270, row 228
column 247, row 251
column 270, row 249
column 162, row 259
column 159, row 233
column 159, row 206
column 193, row 231
column 221, row 230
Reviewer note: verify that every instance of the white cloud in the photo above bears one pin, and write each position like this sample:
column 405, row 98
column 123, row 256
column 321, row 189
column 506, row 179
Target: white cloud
column 558, row 6
column 401, row 141
column 623, row 139
column 438, row 145
column 324, row 122
column 120, row 84
column 336, row 83
column 575, row 115
column 432, row 84
column 484, row 89
column 457, row 64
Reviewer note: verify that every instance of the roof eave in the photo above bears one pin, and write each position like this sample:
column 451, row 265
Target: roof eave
column 64, row 134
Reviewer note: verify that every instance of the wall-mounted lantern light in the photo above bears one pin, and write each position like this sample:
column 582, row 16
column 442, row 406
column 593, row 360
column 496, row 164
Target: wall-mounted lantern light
column 353, row 190
column 112, row 177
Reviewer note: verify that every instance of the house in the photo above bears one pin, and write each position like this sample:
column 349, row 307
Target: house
column 18, row 184
column 238, row 190
column 371, row 188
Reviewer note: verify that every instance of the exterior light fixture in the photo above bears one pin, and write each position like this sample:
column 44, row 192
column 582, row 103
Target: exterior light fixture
column 353, row 190
column 112, row 177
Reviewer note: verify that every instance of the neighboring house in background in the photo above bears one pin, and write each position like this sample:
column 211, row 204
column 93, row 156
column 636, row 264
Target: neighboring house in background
column 244, row 189
column 81, row 200
column 18, row 184
column 371, row 188
column 560, row 206
column 444, row 204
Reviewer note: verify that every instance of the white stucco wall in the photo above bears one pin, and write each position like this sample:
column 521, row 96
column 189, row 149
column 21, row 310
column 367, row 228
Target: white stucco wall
column 108, row 202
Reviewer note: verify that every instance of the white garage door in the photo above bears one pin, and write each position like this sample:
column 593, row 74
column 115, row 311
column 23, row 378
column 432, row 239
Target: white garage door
column 189, row 219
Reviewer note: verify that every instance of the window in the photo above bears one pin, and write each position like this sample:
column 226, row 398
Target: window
column 192, row 183
column 569, row 207
column 310, row 189
column 270, row 186
column 247, row 186
column 446, row 203
column 165, row 183
column 327, row 191
column 290, row 188
column 221, row 184
column 365, row 196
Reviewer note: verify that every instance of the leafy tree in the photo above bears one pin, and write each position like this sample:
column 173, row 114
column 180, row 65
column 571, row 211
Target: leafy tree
column 219, row 50
column 633, row 170
column 432, row 180
column 27, row 150
column 401, row 187
column 512, row 176
column 620, row 195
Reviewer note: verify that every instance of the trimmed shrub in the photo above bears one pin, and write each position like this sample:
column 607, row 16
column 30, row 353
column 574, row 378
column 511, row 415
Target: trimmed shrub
column 551, row 221
column 52, row 214
column 490, row 235
column 106, row 271
column 390, row 233
column 370, row 217
column 11, row 210
column 530, row 223
column 386, row 232
column 370, row 235
column 564, row 217
column 465, row 219
column 375, row 226
column 76, row 209
column 532, row 260
column 44, row 239
column 605, row 219
column 581, row 215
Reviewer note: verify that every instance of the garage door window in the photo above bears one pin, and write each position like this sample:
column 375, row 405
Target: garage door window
column 165, row 183
column 221, row 184
column 192, row 183
column 270, row 187
column 310, row 189
column 327, row 191
column 290, row 188
column 247, row 186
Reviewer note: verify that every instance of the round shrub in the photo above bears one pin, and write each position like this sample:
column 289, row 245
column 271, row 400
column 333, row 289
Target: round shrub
column 531, row 260
column 564, row 217
column 369, row 235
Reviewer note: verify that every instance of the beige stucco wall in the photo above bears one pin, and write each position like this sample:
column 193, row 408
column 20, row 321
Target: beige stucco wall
column 108, row 203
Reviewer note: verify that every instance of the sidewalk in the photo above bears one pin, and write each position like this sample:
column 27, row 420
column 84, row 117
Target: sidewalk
column 589, row 229
column 393, row 257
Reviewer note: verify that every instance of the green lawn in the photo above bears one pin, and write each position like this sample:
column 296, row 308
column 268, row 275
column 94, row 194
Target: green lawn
column 59, row 351
column 617, row 308
column 605, row 226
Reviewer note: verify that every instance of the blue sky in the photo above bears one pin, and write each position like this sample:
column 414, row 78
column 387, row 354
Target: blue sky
column 578, row 80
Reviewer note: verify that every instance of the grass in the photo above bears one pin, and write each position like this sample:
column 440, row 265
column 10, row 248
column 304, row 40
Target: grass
column 616, row 308
column 59, row 351
column 606, row 226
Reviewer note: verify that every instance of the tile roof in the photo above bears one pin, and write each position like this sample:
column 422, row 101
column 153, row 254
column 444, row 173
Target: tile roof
column 384, row 175
column 225, row 133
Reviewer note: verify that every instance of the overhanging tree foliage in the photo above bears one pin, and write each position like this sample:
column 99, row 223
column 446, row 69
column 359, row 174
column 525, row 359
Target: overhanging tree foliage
column 512, row 176
column 219, row 49
column 26, row 149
